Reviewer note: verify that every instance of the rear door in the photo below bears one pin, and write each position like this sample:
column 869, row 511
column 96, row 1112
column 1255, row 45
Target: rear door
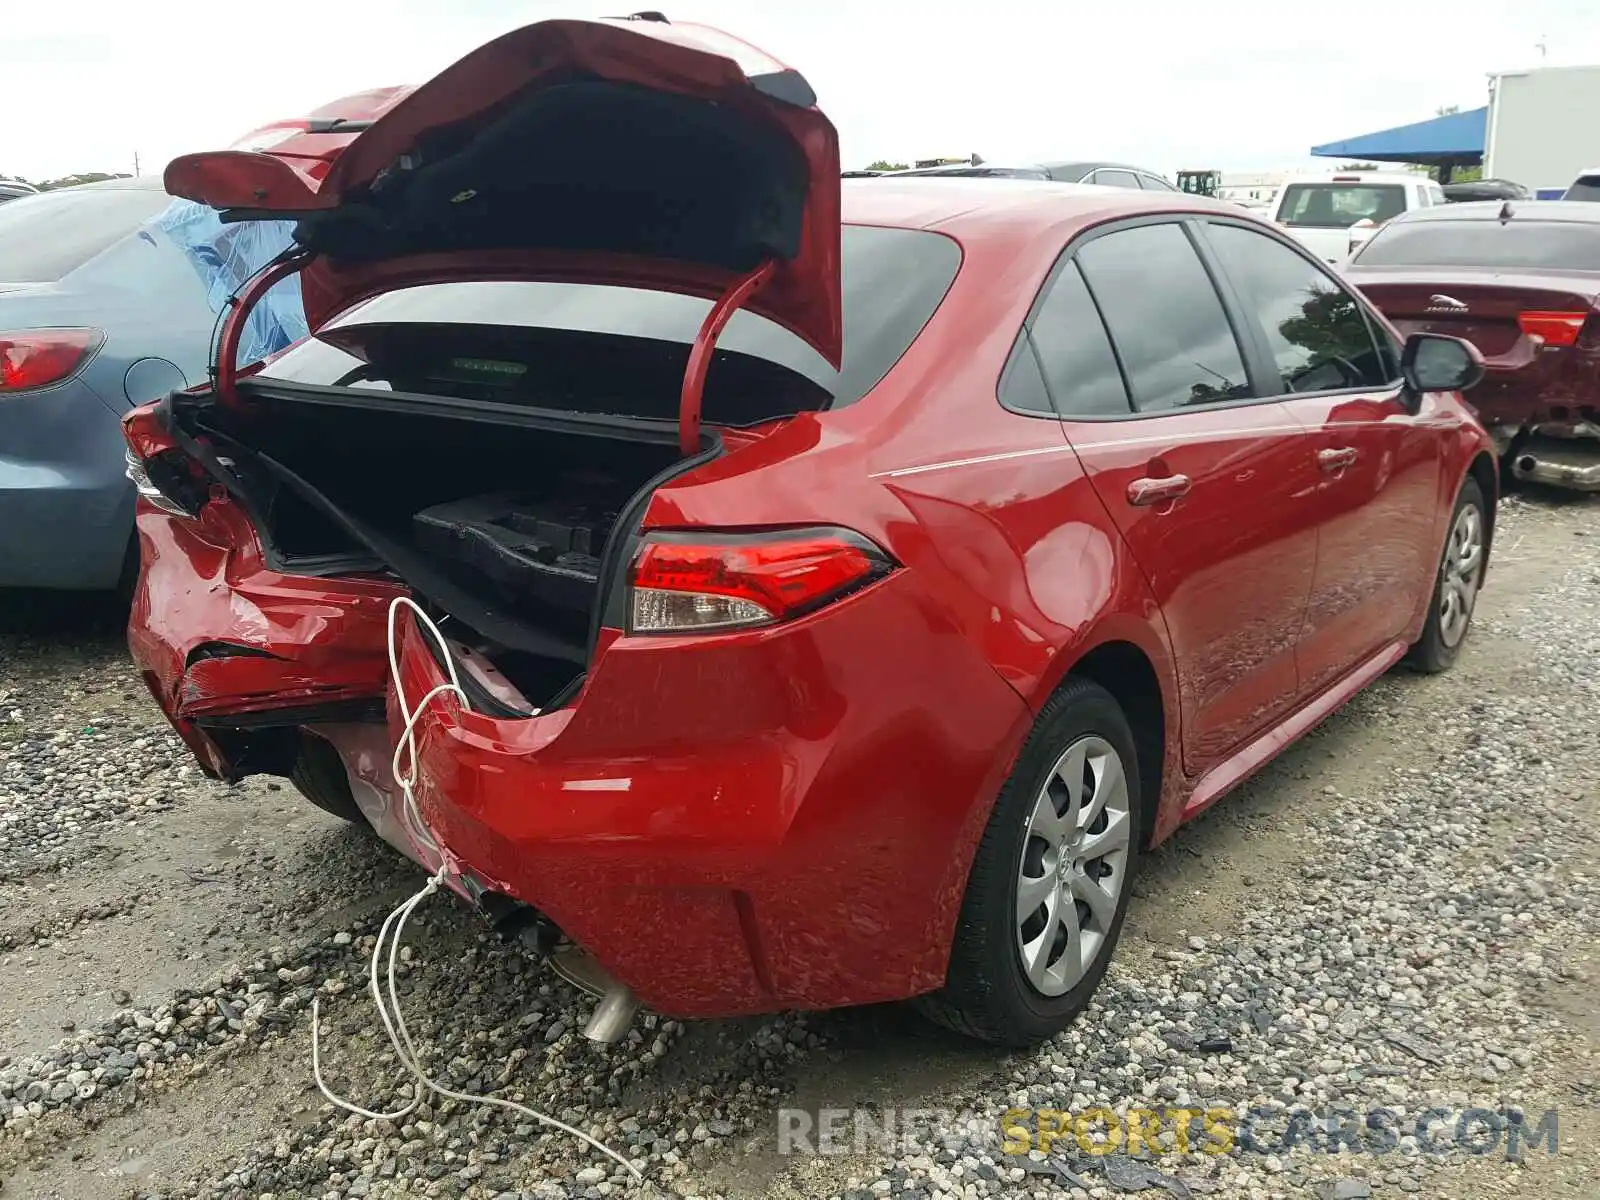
column 1377, row 461
column 1211, row 487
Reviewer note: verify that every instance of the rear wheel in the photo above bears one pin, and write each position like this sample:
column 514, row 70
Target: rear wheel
column 1049, row 885
column 1455, row 589
column 320, row 776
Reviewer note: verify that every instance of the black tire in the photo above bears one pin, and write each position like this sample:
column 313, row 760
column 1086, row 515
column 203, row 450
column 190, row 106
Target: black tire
column 1433, row 652
column 320, row 776
column 987, row 994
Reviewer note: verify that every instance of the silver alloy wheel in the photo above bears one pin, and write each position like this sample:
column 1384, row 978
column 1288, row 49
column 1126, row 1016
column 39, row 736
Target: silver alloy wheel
column 1074, row 865
column 1459, row 575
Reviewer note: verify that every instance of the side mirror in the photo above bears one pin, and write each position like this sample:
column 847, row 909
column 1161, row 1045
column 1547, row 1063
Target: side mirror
column 1360, row 234
column 1432, row 362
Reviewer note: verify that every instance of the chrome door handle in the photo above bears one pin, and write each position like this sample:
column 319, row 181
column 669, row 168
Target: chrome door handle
column 1336, row 460
column 1155, row 491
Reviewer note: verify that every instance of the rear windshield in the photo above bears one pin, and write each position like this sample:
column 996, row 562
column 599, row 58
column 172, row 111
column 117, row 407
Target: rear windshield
column 1340, row 205
column 44, row 237
column 1586, row 188
column 1563, row 245
column 579, row 347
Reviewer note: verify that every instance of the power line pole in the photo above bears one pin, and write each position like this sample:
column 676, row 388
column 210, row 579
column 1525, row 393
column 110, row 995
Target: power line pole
column 136, row 164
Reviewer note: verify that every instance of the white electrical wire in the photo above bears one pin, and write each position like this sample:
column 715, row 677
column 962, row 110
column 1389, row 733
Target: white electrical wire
column 394, row 924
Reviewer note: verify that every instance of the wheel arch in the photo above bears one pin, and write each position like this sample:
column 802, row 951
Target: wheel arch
column 1484, row 470
column 1131, row 660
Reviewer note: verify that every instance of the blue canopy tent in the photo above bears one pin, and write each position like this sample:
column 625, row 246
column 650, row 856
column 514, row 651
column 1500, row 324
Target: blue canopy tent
column 1447, row 142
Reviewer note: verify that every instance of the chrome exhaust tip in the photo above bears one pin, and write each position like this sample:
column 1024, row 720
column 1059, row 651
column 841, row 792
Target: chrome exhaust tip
column 613, row 1015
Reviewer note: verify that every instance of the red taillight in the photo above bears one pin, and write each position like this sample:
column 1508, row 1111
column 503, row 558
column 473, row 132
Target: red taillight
column 690, row 583
column 1553, row 328
column 146, row 432
column 161, row 472
column 40, row 357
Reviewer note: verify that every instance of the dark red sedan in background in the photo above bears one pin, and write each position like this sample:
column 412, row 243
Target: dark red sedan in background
column 835, row 594
column 1520, row 279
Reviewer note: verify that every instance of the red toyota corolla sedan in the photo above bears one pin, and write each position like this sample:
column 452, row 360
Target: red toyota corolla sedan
column 840, row 597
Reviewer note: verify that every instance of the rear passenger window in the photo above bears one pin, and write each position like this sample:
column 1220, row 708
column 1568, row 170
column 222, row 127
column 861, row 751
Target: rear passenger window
column 1315, row 329
column 1022, row 388
column 1165, row 318
column 1152, row 183
column 1074, row 353
column 1121, row 179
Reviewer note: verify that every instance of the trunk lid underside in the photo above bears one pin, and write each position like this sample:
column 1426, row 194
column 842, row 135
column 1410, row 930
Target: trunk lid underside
column 630, row 152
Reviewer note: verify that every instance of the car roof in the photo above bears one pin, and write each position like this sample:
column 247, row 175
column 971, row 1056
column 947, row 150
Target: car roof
column 1357, row 177
column 975, row 208
column 1521, row 210
column 1087, row 165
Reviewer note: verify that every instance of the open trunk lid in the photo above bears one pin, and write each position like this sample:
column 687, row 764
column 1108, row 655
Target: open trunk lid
column 312, row 143
column 633, row 152
column 1530, row 327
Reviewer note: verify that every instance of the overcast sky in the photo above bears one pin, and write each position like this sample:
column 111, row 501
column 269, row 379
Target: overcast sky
column 1163, row 83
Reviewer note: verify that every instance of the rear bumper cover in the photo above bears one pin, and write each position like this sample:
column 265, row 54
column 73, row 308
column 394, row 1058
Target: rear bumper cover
column 218, row 635
column 734, row 824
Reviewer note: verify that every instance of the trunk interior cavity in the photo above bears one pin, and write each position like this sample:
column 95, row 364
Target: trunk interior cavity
column 499, row 527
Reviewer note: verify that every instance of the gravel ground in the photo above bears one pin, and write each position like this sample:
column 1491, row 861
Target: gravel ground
column 1394, row 917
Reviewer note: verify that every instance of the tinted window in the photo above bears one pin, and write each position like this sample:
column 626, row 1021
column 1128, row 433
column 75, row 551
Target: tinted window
column 1568, row 245
column 893, row 280
column 1153, row 184
column 1340, row 205
column 1164, row 317
column 1587, row 187
column 1122, row 179
column 1079, row 367
column 44, row 237
column 1021, row 386
column 1315, row 329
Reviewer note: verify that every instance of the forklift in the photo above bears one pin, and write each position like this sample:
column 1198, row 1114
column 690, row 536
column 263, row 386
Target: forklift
column 1200, row 183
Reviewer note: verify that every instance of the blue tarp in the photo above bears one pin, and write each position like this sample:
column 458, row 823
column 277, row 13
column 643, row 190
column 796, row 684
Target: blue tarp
column 225, row 256
column 1456, row 138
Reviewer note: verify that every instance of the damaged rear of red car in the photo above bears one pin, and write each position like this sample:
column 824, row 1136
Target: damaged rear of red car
column 622, row 537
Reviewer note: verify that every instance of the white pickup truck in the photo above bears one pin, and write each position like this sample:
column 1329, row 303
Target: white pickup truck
column 1333, row 215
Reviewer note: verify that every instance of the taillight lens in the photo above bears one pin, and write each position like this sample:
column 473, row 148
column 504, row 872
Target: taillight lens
column 1553, row 328
column 38, row 358
column 705, row 582
column 161, row 472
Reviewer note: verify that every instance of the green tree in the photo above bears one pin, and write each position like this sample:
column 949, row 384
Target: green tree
column 1328, row 325
column 884, row 164
column 66, row 181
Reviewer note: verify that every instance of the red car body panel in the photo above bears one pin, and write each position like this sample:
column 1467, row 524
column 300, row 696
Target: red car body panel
column 216, row 630
column 803, row 293
column 786, row 816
